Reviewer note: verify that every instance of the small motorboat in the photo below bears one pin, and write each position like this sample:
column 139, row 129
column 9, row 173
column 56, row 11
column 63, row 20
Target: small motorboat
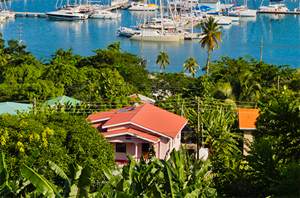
column 103, row 14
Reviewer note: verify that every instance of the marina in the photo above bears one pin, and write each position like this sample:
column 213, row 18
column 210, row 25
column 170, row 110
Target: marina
column 241, row 37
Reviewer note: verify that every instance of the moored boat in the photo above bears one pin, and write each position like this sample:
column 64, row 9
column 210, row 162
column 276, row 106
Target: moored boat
column 69, row 14
column 103, row 14
column 273, row 7
column 141, row 6
column 155, row 35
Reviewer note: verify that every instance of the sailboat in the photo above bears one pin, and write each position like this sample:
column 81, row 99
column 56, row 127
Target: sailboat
column 156, row 35
column 241, row 11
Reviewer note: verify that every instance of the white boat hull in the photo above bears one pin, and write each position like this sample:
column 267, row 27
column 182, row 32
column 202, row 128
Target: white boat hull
column 62, row 15
column 243, row 13
column 7, row 14
column 161, row 38
column 105, row 15
column 274, row 8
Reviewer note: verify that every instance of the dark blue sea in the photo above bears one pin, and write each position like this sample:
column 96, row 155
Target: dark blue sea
column 281, row 36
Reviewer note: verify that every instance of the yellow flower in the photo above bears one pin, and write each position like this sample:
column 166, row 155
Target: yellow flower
column 45, row 142
column 3, row 140
column 49, row 131
column 22, row 150
column 20, row 144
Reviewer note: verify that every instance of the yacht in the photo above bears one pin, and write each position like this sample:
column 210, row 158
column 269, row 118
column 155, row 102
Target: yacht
column 141, row 6
column 155, row 35
column 103, row 14
column 221, row 20
column 241, row 11
column 274, row 7
column 128, row 32
column 67, row 14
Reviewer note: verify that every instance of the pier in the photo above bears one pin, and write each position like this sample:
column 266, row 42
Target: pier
column 276, row 12
column 30, row 14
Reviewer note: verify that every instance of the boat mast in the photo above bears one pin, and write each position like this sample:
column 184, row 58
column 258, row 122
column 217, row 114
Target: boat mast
column 161, row 16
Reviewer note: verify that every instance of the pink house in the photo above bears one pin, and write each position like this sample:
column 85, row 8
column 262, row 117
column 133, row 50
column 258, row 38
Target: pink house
column 135, row 129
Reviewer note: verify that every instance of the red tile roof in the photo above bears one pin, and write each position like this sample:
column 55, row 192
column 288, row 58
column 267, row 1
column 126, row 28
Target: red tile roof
column 146, row 116
column 247, row 118
column 132, row 132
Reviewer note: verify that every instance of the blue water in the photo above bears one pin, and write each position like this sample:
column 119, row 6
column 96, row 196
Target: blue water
column 281, row 36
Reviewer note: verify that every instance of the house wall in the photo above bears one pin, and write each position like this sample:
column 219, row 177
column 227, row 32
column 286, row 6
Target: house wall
column 177, row 141
column 165, row 146
column 161, row 148
column 130, row 146
column 247, row 135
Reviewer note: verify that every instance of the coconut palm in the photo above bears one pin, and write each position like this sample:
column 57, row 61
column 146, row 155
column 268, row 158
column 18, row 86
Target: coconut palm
column 241, row 87
column 211, row 33
column 162, row 58
column 191, row 64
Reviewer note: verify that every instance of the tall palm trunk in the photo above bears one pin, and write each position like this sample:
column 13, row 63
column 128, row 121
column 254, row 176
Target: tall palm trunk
column 207, row 63
column 160, row 69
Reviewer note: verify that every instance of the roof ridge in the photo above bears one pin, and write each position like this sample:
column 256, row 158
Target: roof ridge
column 138, row 111
column 62, row 99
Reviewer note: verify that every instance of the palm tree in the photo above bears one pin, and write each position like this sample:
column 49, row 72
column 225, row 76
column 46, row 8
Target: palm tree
column 191, row 64
column 162, row 58
column 241, row 87
column 211, row 32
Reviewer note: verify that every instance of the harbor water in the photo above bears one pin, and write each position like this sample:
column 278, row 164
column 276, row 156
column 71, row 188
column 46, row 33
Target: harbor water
column 281, row 36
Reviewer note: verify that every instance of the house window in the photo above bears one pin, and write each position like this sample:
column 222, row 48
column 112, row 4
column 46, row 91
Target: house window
column 145, row 148
column 128, row 137
column 121, row 147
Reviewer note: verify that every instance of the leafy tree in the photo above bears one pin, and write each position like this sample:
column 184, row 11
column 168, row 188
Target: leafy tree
column 162, row 58
column 61, row 137
column 211, row 32
column 190, row 65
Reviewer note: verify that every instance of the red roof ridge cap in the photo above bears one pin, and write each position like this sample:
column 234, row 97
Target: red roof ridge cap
column 139, row 111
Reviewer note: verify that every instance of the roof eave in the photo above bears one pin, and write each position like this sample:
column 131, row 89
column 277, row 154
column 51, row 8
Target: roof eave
column 134, row 135
column 99, row 120
column 248, row 129
column 123, row 123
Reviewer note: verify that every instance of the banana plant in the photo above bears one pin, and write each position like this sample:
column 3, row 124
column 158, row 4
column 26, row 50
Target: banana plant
column 34, row 184
column 79, row 183
column 186, row 179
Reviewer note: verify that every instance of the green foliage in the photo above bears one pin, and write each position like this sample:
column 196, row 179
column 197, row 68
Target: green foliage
column 177, row 177
column 246, row 79
column 62, row 138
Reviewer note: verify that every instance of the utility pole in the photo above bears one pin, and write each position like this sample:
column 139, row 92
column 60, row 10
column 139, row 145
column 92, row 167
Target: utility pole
column 261, row 48
column 146, row 61
column 34, row 105
column 198, row 126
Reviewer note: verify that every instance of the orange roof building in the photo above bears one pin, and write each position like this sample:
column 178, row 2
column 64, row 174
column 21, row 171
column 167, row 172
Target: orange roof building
column 135, row 129
column 247, row 118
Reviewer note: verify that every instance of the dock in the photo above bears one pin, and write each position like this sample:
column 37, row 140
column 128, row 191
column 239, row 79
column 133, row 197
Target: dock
column 276, row 12
column 30, row 14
